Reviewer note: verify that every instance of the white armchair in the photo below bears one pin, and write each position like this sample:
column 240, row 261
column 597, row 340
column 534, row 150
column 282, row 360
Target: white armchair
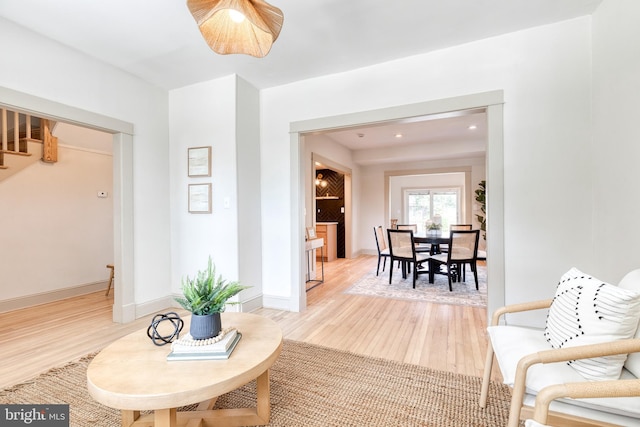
column 535, row 370
column 582, row 390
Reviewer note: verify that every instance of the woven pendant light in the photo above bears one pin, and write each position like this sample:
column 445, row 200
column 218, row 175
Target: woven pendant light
column 237, row 26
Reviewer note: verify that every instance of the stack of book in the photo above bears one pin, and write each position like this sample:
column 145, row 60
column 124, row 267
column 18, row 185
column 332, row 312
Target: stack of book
column 189, row 349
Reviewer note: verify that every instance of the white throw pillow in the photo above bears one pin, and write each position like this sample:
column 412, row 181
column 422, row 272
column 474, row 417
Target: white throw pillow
column 585, row 311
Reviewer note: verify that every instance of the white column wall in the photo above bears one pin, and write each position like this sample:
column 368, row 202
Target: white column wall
column 545, row 75
column 204, row 114
column 616, row 144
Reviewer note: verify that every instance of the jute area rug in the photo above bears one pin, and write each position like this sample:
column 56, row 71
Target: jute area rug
column 464, row 293
column 311, row 386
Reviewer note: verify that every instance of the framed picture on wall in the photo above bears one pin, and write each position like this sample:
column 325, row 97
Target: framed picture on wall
column 199, row 161
column 200, row 198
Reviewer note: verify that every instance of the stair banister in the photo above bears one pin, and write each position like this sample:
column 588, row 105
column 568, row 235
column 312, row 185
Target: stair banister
column 28, row 125
column 16, row 131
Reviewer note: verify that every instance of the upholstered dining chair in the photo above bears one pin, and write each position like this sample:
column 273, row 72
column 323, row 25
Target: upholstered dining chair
column 455, row 227
column 383, row 250
column 414, row 227
column 458, row 227
column 403, row 250
column 463, row 249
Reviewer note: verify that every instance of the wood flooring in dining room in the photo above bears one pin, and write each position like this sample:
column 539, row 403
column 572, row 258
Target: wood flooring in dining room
column 443, row 337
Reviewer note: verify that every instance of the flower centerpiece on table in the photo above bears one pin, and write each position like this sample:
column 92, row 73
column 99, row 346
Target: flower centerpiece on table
column 434, row 226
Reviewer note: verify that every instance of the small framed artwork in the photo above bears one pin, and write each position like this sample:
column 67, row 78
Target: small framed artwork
column 200, row 198
column 311, row 233
column 199, row 161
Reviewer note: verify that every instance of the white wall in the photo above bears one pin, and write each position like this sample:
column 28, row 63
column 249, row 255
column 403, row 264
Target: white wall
column 57, row 234
column 616, row 142
column 545, row 75
column 57, row 73
column 222, row 114
column 204, row 115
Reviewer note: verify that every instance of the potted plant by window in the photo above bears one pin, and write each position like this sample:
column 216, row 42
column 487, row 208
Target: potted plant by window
column 205, row 297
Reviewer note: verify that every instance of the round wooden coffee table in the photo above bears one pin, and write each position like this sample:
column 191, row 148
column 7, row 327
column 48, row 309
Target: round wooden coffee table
column 133, row 374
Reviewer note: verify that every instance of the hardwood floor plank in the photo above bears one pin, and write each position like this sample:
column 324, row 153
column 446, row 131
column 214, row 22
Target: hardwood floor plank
column 443, row 337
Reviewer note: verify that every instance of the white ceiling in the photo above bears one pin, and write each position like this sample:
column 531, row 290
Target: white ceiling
column 158, row 40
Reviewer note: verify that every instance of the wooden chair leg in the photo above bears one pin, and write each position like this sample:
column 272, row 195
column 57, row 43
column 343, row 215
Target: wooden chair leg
column 415, row 275
column 378, row 268
column 475, row 274
column 111, row 275
column 486, row 379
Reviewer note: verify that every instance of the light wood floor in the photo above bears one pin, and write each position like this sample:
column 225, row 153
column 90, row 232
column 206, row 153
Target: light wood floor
column 444, row 337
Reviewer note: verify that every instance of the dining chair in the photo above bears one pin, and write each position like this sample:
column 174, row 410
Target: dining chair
column 463, row 249
column 414, row 227
column 383, row 250
column 455, row 227
column 403, row 250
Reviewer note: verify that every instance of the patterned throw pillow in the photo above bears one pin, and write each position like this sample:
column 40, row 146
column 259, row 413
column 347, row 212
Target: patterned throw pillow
column 585, row 311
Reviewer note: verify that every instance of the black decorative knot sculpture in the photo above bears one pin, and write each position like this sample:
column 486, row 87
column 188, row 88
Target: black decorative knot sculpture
column 152, row 330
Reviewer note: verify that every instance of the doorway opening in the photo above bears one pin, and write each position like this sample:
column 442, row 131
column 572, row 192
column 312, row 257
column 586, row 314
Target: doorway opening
column 122, row 137
column 490, row 102
column 328, row 199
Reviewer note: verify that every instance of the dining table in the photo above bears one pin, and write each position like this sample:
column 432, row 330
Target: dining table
column 435, row 240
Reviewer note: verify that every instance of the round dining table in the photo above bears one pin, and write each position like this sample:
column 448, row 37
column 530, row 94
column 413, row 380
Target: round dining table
column 435, row 240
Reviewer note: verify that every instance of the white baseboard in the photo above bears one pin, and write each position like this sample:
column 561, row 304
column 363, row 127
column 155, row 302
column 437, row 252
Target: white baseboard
column 51, row 296
column 276, row 302
column 160, row 305
column 251, row 304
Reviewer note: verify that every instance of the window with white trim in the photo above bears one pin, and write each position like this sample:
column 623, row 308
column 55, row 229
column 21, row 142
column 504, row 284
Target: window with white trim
column 423, row 204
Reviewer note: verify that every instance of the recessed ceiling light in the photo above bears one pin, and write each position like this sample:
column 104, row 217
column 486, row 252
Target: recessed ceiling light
column 473, row 127
column 398, row 135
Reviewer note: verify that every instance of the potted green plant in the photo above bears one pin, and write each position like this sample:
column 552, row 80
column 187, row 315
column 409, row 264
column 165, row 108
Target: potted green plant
column 205, row 296
column 481, row 198
column 434, row 229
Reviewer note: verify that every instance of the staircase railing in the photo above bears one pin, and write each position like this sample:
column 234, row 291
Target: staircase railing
column 17, row 130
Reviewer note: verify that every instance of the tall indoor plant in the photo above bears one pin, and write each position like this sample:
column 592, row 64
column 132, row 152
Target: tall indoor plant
column 205, row 297
column 481, row 198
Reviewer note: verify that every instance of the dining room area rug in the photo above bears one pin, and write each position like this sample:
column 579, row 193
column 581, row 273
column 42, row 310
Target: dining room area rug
column 464, row 293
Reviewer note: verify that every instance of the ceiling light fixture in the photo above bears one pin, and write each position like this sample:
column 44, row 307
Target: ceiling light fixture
column 473, row 127
column 320, row 182
column 237, row 26
column 398, row 135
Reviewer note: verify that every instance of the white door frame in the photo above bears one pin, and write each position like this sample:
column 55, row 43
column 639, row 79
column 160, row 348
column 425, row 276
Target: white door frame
column 124, row 303
column 492, row 102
